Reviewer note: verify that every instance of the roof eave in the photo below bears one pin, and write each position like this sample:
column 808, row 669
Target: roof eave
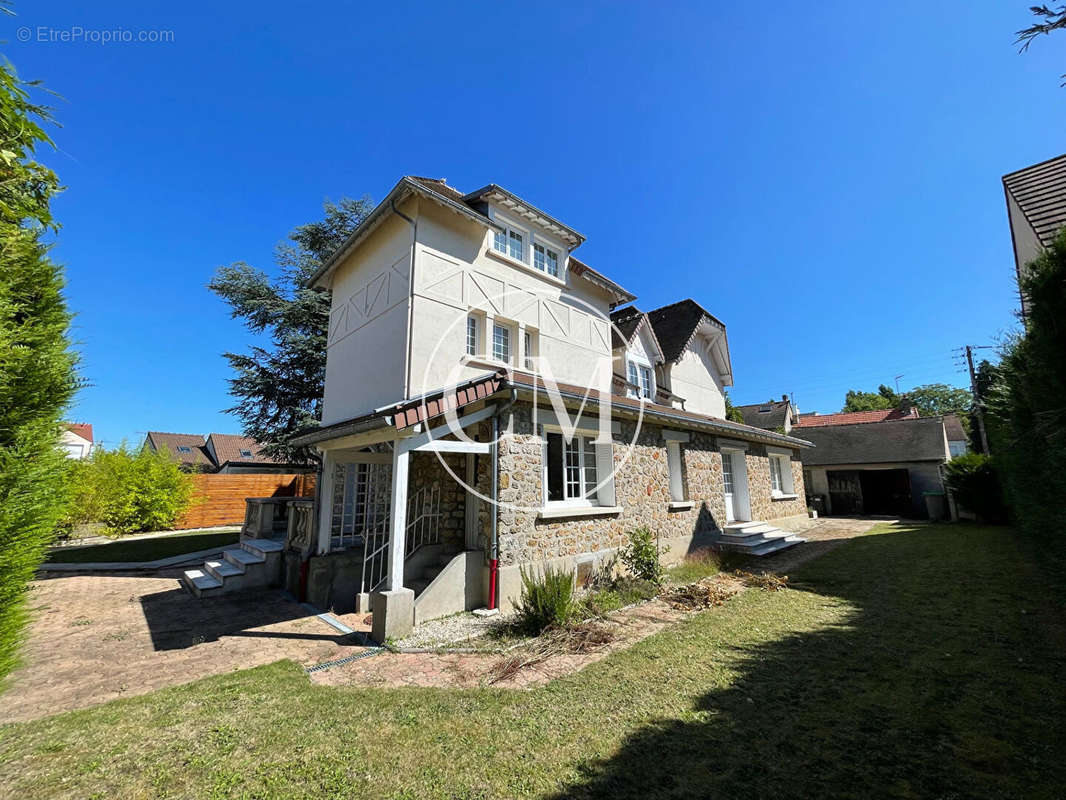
column 494, row 192
column 400, row 192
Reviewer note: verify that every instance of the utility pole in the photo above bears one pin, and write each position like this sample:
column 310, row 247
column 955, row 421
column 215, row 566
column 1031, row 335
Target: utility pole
column 978, row 403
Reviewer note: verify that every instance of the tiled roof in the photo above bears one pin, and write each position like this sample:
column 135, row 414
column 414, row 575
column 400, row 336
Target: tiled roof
column 956, row 433
column 407, row 413
column 900, row 440
column 854, row 417
column 440, row 186
column 769, row 415
column 230, row 447
column 625, row 322
column 82, row 429
column 1040, row 192
column 177, row 443
column 675, row 325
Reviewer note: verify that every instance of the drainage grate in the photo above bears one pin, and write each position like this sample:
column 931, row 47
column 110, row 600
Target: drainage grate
column 346, row 660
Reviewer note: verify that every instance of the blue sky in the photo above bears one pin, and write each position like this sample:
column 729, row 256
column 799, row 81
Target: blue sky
column 825, row 179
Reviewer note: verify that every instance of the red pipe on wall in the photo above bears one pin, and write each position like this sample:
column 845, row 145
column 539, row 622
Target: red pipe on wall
column 493, row 569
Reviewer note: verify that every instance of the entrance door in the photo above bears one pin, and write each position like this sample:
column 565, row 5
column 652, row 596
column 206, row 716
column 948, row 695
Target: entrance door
column 735, row 486
column 730, row 487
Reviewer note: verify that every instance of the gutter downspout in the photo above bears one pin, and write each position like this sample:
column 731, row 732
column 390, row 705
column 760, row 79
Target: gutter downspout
column 494, row 540
column 410, row 296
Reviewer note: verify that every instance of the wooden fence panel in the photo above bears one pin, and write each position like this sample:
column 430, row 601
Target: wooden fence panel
column 219, row 499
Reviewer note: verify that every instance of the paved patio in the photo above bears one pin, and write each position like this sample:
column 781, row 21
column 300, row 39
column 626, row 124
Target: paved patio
column 95, row 638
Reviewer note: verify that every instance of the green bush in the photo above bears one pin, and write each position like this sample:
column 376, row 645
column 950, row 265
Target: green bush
column 37, row 379
column 641, row 556
column 547, row 600
column 973, row 480
column 1025, row 400
column 128, row 491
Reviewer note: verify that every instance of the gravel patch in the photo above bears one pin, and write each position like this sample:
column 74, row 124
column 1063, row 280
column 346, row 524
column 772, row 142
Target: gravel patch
column 451, row 630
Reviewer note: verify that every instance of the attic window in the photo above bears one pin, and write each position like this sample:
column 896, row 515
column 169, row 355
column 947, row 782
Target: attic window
column 184, row 449
column 246, row 453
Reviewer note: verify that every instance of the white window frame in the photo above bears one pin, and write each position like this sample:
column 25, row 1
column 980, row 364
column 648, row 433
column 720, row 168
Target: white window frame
column 783, row 461
column 529, row 349
column 678, row 493
column 472, row 329
column 601, row 492
column 637, row 367
column 506, row 233
column 498, row 325
column 541, row 246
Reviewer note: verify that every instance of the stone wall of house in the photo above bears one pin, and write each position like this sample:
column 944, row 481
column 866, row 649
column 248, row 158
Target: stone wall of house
column 642, row 490
column 763, row 505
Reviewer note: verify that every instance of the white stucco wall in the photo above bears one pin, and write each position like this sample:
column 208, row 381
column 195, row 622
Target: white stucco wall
column 695, row 378
column 457, row 272
column 367, row 343
column 75, row 446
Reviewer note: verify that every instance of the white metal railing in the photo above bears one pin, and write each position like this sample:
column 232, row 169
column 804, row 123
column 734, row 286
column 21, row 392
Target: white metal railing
column 423, row 518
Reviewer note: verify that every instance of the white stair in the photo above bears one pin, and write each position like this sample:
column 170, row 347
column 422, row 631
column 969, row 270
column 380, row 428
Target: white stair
column 253, row 562
column 756, row 539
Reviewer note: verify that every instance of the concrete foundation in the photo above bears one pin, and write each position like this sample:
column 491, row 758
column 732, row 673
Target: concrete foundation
column 394, row 614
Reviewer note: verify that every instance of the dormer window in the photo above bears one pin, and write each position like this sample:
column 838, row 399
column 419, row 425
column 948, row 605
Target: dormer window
column 546, row 260
column 510, row 242
column 642, row 379
column 246, row 453
column 184, row 449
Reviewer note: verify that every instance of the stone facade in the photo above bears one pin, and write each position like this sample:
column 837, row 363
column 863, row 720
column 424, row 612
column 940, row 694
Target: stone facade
column 642, row 491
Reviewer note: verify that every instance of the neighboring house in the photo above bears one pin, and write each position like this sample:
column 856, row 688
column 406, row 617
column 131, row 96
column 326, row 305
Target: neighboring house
column 882, row 468
column 816, row 420
column 234, row 454
column 958, row 441
column 773, row 415
column 220, row 452
column 468, row 312
column 1036, row 209
column 77, row 440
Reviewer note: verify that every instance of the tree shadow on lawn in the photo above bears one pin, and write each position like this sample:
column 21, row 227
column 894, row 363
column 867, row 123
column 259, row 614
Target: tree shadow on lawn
column 943, row 680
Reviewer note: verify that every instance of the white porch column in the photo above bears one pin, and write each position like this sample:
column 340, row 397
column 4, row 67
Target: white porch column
column 398, row 518
column 325, row 502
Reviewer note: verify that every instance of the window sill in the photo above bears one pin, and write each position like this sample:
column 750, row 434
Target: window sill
column 565, row 512
column 784, row 497
column 490, row 363
column 681, row 505
column 514, row 262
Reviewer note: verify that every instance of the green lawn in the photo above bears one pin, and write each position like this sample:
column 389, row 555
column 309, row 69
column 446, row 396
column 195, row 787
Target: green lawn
column 910, row 662
column 144, row 549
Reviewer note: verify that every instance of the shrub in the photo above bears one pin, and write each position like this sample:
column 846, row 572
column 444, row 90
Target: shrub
column 641, row 556
column 128, row 491
column 974, row 482
column 547, row 600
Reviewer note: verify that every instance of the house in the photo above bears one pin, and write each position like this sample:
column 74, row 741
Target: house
column 77, row 440
column 773, row 415
column 492, row 403
column 958, row 439
column 884, row 467
column 1036, row 209
column 816, row 420
column 223, row 453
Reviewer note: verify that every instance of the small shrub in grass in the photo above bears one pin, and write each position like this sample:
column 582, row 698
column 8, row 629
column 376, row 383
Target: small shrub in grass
column 547, row 600
column 641, row 556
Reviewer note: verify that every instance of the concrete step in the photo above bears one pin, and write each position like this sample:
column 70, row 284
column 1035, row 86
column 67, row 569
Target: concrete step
column 748, row 538
column 262, row 546
column 199, row 582
column 222, row 569
column 241, row 557
column 762, row 547
column 418, row 586
column 748, row 529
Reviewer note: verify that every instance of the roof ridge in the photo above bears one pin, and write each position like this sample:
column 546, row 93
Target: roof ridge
column 1045, row 162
